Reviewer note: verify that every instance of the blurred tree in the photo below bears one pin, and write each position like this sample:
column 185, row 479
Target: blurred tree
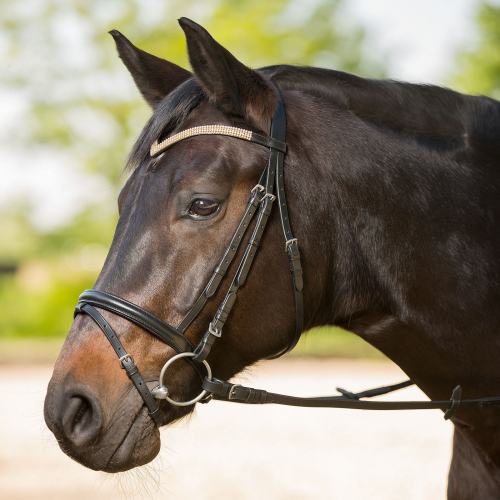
column 479, row 65
column 79, row 99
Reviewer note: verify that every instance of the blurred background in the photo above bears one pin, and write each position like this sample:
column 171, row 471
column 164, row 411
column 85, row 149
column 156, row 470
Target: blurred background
column 70, row 113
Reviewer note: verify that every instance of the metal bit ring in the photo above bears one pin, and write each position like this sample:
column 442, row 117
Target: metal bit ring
column 161, row 392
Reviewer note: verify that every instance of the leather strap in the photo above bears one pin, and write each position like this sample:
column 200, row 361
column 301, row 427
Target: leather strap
column 214, row 330
column 278, row 131
column 126, row 361
column 379, row 391
column 225, row 391
column 273, row 142
column 455, row 402
column 139, row 316
column 275, row 173
column 221, row 269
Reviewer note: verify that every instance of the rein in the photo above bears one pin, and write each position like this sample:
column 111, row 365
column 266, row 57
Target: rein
column 260, row 202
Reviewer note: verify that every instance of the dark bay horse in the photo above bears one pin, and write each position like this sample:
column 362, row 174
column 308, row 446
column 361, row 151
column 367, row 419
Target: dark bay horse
column 394, row 191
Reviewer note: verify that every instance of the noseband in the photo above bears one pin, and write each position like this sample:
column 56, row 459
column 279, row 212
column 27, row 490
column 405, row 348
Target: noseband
column 260, row 202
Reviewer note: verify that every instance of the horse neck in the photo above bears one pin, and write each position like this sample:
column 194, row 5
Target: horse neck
column 398, row 252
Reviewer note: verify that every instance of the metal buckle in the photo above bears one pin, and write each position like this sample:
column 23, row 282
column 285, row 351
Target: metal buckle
column 289, row 242
column 161, row 391
column 206, row 399
column 216, row 332
column 232, row 391
column 259, row 187
column 123, row 358
column 268, row 195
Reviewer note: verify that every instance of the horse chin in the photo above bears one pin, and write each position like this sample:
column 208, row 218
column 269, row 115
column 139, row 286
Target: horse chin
column 140, row 445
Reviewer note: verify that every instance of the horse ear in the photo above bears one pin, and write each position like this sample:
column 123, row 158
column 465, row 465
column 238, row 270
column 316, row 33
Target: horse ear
column 154, row 77
column 235, row 89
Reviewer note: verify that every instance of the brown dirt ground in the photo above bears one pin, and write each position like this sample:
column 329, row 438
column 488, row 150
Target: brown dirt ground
column 237, row 452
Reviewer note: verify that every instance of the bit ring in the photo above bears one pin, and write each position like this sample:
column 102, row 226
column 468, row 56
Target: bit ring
column 157, row 391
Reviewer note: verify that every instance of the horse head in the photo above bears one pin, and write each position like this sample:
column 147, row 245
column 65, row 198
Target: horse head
column 179, row 209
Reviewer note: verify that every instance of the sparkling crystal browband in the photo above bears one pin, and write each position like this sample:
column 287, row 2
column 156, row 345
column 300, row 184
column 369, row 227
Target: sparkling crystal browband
column 240, row 133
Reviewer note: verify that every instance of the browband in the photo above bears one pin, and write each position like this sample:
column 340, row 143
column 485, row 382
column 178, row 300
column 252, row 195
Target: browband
column 239, row 133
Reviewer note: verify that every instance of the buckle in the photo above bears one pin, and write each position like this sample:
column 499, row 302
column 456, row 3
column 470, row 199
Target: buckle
column 206, row 399
column 289, row 242
column 232, row 391
column 268, row 195
column 123, row 358
column 216, row 332
column 259, row 187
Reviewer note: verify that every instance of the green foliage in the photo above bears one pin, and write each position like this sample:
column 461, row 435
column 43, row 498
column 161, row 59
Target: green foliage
column 479, row 66
column 82, row 102
column 333, row 341
column 82, row 98
column 53, row 269
column 29, row 308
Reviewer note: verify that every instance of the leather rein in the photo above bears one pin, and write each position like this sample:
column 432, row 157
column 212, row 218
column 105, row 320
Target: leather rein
column 259, row 205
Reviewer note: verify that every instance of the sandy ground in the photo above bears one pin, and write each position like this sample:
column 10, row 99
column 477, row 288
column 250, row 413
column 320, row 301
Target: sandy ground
column 238, row 452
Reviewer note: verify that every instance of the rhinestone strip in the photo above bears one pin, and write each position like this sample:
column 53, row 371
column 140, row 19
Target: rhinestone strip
column 203, row 130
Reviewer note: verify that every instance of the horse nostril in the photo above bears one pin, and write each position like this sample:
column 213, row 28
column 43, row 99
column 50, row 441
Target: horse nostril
column 82, row 411
column 83, row 416
column 81, row 419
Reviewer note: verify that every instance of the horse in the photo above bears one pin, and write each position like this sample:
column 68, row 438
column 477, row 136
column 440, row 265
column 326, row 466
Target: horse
column 393, row 191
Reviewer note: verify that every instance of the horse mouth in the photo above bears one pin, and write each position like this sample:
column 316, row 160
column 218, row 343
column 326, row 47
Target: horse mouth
column 139, row 446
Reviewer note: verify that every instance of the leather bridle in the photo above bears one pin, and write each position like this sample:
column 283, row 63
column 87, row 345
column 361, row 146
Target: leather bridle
column 260, row 204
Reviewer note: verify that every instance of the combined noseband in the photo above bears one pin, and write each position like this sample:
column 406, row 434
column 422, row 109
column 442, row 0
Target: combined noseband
column 261, row 202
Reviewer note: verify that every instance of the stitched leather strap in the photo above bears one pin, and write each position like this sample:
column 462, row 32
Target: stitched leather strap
column 225, row 391
column 139, row 316
column 215, row 328
column 227, row 258
column 278, row 131
column 274, row 175
column 126, row 361
column 273, row 142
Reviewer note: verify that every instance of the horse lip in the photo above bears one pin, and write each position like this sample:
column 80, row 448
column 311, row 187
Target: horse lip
column 141, row 429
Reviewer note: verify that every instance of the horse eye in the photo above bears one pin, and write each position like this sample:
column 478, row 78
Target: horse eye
column 203, row 208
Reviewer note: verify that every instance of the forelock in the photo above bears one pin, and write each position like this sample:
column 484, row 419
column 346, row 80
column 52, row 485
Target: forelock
column 170, row 114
